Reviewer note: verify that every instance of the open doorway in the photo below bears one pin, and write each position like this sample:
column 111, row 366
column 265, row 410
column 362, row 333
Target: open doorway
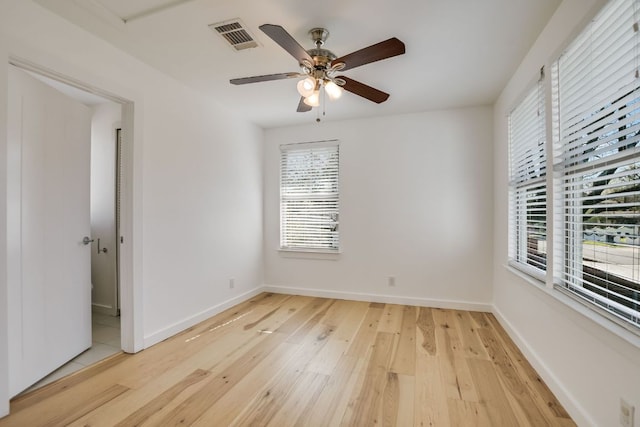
column 105, row 177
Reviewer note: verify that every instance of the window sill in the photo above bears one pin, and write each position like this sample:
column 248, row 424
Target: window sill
column 310, row 254
column 629, row 334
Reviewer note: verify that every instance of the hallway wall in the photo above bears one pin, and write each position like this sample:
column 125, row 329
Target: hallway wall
column 106, row 118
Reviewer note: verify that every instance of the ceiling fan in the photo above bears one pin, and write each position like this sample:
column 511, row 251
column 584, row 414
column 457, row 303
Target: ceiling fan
column 319, row 67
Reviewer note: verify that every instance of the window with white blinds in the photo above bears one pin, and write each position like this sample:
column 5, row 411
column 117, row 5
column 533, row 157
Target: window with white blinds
column 596, row 87
column 309, row 196
column 528, row 186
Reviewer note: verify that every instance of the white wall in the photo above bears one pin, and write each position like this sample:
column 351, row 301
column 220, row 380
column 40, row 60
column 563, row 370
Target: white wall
column 197, row 178
column 587, row 366
column 415, row 203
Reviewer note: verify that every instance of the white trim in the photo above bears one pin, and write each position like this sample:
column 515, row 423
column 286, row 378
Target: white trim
column 387, row 299
column 190, row 321
column 310, row 254
column 577, row 412
column 4, row 327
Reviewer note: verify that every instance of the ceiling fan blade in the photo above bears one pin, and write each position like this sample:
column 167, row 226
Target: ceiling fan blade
column 361, row 89
column 286, row 41
column 265, row 78
column 373, row 53
column 302, row 107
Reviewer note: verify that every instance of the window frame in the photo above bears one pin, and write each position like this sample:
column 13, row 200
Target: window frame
column 329, row 242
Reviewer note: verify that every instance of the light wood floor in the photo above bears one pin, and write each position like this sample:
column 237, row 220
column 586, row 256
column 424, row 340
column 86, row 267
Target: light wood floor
column 283, row 360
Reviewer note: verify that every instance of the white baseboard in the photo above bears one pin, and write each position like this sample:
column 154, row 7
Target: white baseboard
column 188, row 322
column 387, row 299
column 577, row 412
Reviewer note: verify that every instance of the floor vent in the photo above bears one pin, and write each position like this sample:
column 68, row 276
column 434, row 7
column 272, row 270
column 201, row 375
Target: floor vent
column 235, row 33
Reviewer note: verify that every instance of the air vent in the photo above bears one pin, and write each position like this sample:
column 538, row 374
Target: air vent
column 235, row 34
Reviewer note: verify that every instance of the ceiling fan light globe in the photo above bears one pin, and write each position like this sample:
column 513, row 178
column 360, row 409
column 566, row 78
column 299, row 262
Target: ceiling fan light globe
column 306, row 87
column 313, row 100
column 333, row 90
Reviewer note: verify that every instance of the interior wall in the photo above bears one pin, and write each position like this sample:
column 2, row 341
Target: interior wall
column 588, row 366
column 104, row 121
column 415, row 203
column 197, row 178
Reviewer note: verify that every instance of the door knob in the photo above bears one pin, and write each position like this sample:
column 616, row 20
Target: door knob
column 86, row 240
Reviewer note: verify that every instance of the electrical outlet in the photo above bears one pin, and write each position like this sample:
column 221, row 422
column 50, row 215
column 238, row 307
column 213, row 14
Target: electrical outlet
column 232, row 283
column 626, row 414
column 391, row 280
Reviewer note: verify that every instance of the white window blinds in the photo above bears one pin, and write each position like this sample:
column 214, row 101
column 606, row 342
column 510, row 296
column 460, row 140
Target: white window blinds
column 597, row 89
column 309, row 196
column 528, row 186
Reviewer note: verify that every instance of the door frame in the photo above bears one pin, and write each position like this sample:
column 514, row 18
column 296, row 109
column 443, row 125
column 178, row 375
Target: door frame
column 130, row 270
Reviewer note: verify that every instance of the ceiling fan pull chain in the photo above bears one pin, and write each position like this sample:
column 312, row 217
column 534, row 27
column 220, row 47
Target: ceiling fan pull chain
column 324, row 102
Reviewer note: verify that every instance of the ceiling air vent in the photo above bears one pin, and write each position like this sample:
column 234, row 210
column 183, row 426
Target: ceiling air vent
column 235, row 34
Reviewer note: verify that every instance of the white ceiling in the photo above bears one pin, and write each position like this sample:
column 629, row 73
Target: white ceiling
column 458, row 52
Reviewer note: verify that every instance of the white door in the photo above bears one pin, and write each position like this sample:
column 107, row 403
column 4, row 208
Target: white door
column 49, row 268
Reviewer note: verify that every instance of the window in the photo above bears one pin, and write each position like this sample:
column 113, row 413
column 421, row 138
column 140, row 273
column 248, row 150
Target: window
column 309, row 196
column 595, row 155
column 596, row 88
column 528, row 186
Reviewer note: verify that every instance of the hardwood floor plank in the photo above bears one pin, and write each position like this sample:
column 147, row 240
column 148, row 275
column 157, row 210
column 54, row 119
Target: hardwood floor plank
column 491, row 394
column 366, row 334
column 446, row 320
column 349, row 322
column 325, row 361
column 391, row 400
column 288, row 308
column 270, row 299
column 406, row 406
column 472, row 346
column 193, row 407
column 302, row 315
column 404, row 359
column 391, row 319
column 66, row 410
column 463, row 413
column 236, row 400
column 426, row 326
column 145, row 412
column 283, row 360
column 306, row 393
column 263, row 410
column 454, row 372
column 370, row 393
column 479, row 319
column 430, row 405
column 333, row 399
column 511, row 382
column 302, row 332
column 62, row 384
column 152, row 362
column 173, row 382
